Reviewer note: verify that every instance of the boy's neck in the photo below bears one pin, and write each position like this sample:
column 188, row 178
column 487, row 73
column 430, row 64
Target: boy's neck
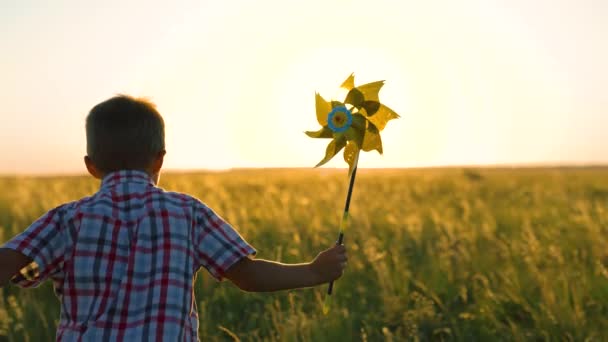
column 154, row 176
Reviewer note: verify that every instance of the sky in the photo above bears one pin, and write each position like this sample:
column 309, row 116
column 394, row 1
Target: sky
column 476, row 82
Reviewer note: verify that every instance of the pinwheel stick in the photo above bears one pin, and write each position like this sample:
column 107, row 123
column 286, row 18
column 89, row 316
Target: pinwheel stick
column 343, row 225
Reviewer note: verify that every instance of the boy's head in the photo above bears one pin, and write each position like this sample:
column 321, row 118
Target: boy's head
column 124, row 133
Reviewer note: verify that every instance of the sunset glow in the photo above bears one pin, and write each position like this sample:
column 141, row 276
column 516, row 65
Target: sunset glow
column 475, row 82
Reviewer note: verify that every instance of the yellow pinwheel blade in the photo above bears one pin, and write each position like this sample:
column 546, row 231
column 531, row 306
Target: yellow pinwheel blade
column 382, row 117
column 324, row 132
column 349, row 83
column 359, row 122
column 323, row 108
column 372, row 139
column 333, row 148
column 371, row 107
column 370, row 90
column 355, row 98
column 350, row 155
column 355, row 134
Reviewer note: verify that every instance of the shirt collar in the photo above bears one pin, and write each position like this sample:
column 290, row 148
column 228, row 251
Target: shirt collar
column 126, row 176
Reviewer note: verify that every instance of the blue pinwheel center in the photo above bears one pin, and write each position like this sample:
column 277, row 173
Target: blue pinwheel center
column 339, row 119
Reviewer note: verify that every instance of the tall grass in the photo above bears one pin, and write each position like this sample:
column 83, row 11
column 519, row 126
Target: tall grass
column 439, row 254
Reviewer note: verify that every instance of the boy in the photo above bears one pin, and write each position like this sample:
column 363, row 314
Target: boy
column 123, row 260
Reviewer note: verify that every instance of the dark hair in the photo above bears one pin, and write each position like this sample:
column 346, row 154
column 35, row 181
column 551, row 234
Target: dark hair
column 124, row 133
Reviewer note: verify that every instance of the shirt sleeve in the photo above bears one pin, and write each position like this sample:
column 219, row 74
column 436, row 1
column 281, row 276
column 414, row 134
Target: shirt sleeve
column 45, row 242
column 218, row 245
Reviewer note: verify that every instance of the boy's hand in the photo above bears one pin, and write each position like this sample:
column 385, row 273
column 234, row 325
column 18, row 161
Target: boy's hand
column 329, row 264
column 10, row 263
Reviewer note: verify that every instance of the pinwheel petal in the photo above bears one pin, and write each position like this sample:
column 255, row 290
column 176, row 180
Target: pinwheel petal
column 349, row 83
column 371, row 107
column 335, row 104
column 350, row 154
column 355, row 134
column 324, row 132
column 355, row 97
column 323, row 108
column 370, row 90
column 359, row 122
column 333, row 148
column 372, row 139
column 382, row 117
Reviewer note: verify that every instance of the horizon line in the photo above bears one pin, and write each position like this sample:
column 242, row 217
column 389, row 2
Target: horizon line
column 539, row 165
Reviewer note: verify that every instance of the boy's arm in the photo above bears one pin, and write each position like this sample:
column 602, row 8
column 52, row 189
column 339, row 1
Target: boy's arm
column 10, row 263
column 257, row 275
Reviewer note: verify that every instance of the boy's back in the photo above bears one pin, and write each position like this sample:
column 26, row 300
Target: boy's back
column 123, row 261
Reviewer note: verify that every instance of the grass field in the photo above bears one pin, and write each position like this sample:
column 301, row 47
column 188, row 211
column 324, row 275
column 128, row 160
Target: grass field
column 435, row 254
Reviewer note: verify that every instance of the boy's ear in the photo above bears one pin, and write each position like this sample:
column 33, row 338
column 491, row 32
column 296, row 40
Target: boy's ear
column 92, row 168
column 158, row 161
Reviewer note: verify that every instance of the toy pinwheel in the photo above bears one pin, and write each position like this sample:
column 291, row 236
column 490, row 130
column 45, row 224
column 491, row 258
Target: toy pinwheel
column 353, row 125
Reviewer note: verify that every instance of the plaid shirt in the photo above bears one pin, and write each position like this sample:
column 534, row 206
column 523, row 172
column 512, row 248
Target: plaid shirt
column 123, row 261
